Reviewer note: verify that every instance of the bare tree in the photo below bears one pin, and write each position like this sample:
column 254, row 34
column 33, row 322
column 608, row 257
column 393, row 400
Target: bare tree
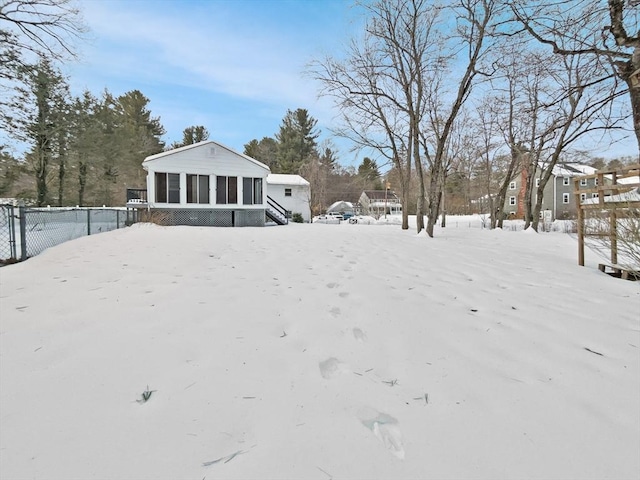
column 44, row 28
column 596, row 29
column 365, row 87
column 475, row 24
column 490, row 167
column 391, row 89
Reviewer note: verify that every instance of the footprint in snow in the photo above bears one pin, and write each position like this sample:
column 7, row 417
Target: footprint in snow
column 386, row 429
column 331, row 367
column 359, row 335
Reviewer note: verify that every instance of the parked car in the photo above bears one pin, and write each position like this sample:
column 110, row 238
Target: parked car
column 335, row 215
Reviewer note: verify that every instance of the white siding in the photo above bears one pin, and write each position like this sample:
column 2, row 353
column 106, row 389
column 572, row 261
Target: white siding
column 205, row 159
column 298, row 202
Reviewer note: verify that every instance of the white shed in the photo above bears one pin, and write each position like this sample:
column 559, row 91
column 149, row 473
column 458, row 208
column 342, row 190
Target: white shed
column 207, row 183
column 292, row 192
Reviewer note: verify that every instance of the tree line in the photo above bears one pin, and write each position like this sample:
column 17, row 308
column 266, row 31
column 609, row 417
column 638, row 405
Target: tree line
column 453, row 100
column 485, row 89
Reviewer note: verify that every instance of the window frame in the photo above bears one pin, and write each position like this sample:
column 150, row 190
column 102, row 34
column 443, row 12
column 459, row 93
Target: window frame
column 226, row 190
column 566, row 198
column 252, row 190
column 566, row 181
column 202, row 195
column 512, row 185
column 167, row 187
column 583, row 182
column 512, row 201
column 287, row 192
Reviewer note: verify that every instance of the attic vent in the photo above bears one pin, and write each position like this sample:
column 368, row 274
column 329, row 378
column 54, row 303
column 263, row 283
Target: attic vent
column 212, row 151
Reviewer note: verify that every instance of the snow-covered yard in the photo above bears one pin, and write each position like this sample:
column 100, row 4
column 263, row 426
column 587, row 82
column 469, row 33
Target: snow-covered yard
column 317, row 351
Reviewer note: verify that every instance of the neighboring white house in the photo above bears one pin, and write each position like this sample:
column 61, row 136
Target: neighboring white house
column 291, row 192
column 379, row 202
column 207, row 183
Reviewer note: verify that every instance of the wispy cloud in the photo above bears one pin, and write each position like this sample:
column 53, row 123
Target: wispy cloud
column 235, row 67
column 204, row 48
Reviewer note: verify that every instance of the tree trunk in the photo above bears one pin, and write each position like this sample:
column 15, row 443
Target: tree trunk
column 61, row 169
column 443, row 222
column 434, row 202
column 82, row 182
column 634, row 96
column 42, row 160
column 421, row 194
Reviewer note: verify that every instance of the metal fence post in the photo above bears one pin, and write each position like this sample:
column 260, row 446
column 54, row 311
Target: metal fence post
column 88, row 222
column 22, row 217
column 117, row 219
column 12, row 233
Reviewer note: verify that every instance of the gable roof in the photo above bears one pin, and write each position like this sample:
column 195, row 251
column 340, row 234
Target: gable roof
column 381, row 195
column 211, row 143
column 340, row 205
column 286, row 179
column 572, row 170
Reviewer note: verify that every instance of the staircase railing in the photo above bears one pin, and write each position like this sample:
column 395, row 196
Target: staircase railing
column 286, row 214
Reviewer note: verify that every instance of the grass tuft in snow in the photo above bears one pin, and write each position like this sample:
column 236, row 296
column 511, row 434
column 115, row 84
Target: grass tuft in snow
column 145, row 396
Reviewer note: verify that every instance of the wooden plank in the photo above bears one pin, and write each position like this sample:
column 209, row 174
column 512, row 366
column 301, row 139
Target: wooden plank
column 619, row 272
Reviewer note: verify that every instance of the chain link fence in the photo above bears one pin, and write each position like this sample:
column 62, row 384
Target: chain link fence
column 27, row 231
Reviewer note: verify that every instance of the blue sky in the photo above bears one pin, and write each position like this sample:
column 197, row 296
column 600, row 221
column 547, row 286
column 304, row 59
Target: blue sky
column 233, row 66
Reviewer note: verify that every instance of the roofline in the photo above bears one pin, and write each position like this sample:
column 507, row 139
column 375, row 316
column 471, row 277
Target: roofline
column 151, row 158
column 304, row 180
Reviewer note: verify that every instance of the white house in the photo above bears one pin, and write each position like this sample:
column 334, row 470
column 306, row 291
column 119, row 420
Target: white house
column 379, row 202
column 207, row 183
column 291, row 192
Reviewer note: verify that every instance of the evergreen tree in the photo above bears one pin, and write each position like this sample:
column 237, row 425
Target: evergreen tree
column 38, row 116
column 10, row 171
column 265, row 151
column 369, row 175
column 296, row 140
column 191, row 135
column 85, row 141
column 137, row 135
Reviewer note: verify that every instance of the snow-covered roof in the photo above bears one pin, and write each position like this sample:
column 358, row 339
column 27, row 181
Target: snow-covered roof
column 286, row 179
column 339, row 206
column 630, row 196
column 201, row 144
column 573, row 170
column 381, row 195
column 625, row 180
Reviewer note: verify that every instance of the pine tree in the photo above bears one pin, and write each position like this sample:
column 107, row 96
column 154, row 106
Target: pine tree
column 265, row 151
column 296, row 141
column 38, row 117
column 191, row 135
column 369, row 175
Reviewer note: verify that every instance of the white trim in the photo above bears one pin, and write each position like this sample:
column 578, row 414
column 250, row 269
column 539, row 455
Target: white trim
column 213, row 149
